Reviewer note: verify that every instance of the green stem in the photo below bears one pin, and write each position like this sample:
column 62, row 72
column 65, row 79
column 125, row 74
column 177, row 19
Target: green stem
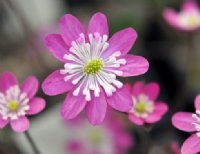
column 32, row 143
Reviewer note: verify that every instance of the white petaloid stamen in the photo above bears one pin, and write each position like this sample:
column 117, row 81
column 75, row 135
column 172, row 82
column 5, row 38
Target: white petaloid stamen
column 89, row 69
column 19, row 100
column 196, row 124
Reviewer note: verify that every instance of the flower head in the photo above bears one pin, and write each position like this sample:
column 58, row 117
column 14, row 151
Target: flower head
column 92, row 63
column 17, row 101
column 109, row 138
column 189, row 122
column 145, row 109
column 188, row 19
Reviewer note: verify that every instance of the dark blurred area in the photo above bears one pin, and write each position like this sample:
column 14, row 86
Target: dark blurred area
column 25, row 23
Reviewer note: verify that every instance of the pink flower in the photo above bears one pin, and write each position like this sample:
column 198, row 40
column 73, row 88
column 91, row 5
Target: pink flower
column 188, row 19
column 17, row 101
column 145, row 108
column 189, row 122
column 175, row 148
column 109, row 138
column 91, row 65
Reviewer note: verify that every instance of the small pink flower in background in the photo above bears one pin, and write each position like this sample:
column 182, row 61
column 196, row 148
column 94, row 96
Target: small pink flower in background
column 188, row 19
column 91, row 66
column 145, row 107
column 17, row 101
column 109, row 138
column 189, row 122
column 175, row 148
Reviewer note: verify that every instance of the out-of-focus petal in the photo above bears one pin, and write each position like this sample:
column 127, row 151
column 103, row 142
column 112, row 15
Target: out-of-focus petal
column 7, row 80
column 137, row 88
column 171, row 18
column 190, row 5
column 159, row 111
column 20, row 125
column 36, row 105
column 30, row 86
column 135, row 120
column 152, row 90
column 128, row 86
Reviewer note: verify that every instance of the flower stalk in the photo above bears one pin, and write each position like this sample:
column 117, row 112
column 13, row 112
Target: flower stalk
column 32, row 143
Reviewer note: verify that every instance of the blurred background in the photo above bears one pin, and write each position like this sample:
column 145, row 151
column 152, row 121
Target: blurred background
column 25, row 23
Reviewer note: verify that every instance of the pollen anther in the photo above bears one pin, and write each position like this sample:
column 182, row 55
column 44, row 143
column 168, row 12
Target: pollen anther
column 93, row 67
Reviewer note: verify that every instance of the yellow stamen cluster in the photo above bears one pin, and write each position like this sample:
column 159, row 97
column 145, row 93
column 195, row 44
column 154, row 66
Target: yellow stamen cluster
column 140, row 107
column 95, row 137
column 193, row 21
column 13, row 105
column 93, row 67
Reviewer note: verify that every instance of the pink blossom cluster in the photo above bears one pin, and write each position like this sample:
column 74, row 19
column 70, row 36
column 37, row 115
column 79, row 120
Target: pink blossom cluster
column 109, row 138
column 92, row 64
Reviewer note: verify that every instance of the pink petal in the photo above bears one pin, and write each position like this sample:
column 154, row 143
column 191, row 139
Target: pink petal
column 30, row 86
column 152, row 90
column 121, row 100
column 20, row 125
column 124, row 140
column 191, row 145
column 197, row 102
column 161, row 108
column 190, row 5
column 137, row 88
column 36, row 105
column 136, row 120
column 121, row 41
column 183, row 121
column 54, row 84
column 96, row 109
column 7, row 80
column 74, row 146
column 72, row 105
column 56, row 46
column 159, row 111
column 3, row 122
column 153, row 118
column 98, row 23
column 128, row 86
column 171, row 18
column 135, row 65
column 70, row 28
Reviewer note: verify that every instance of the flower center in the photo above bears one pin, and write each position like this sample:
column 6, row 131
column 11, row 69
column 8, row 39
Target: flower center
column 93, row 67
column 192, row 21
column 95, row 137
column 90, row 67
column 140, row 107
column 13, row 105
